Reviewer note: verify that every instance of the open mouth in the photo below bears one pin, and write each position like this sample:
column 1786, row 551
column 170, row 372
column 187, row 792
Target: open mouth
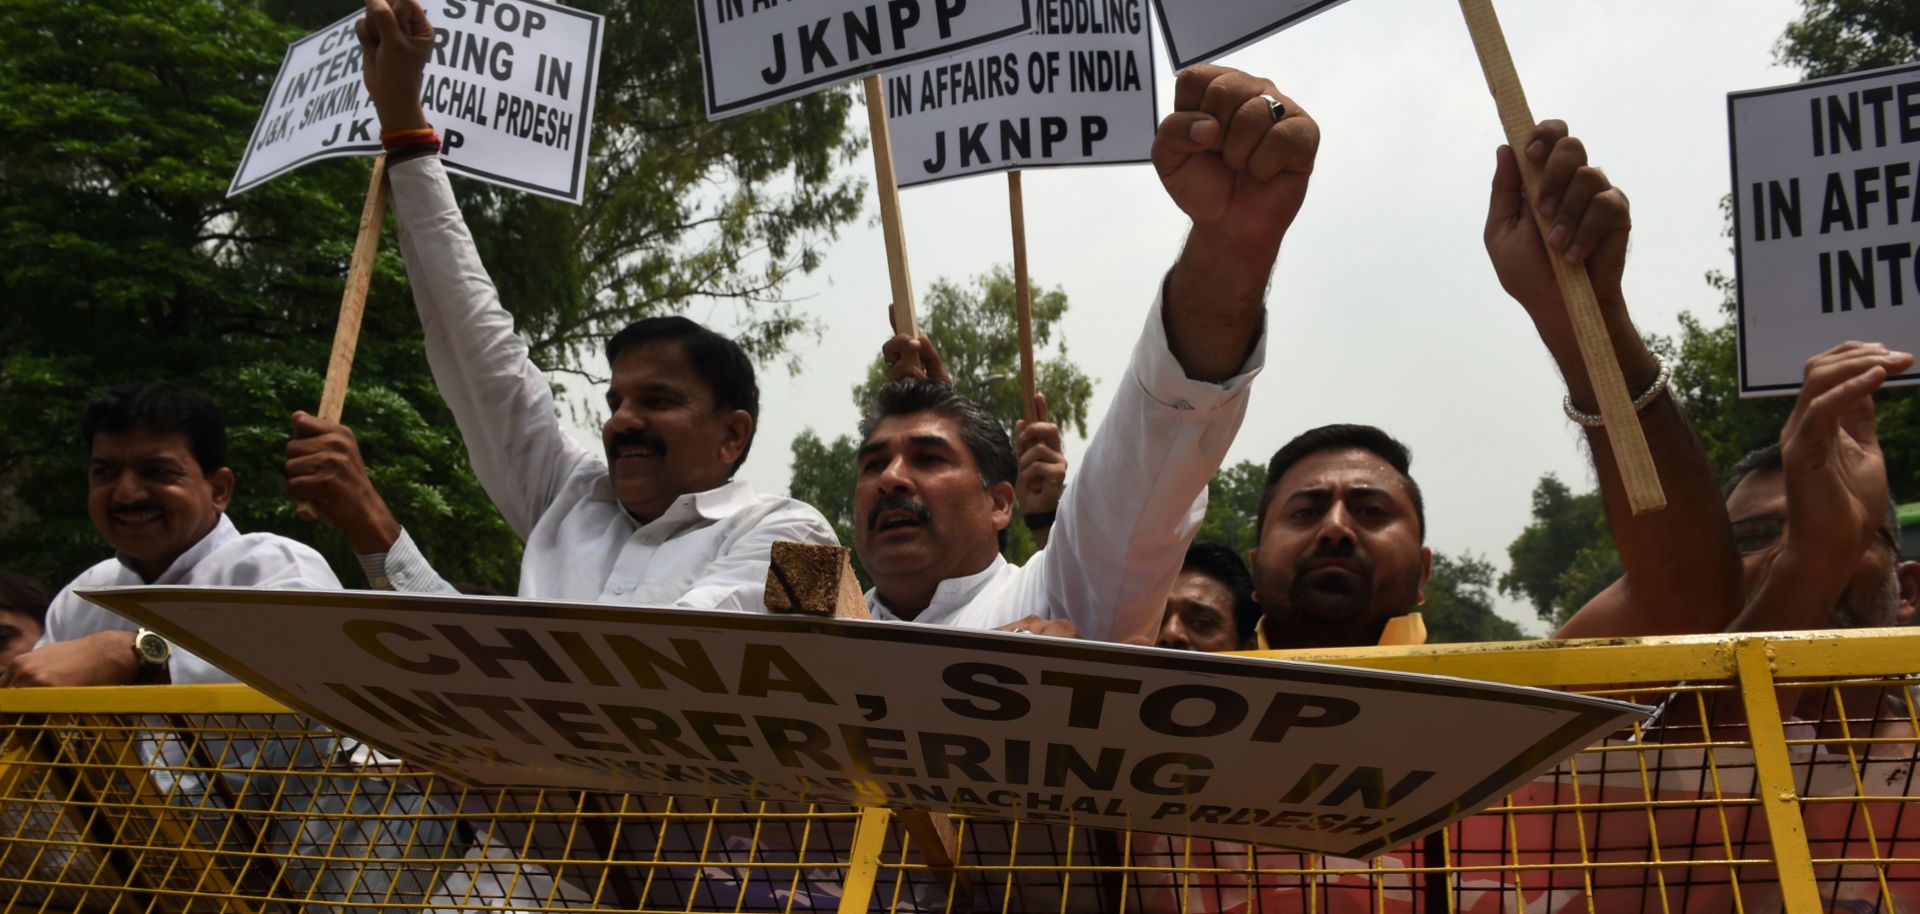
column 129, row 518
column 635, row 451
column 897, row 520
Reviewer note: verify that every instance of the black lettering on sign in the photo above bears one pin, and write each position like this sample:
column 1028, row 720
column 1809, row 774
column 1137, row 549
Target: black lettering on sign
column 573, row 722
column 1225, row 709
column 1288, row 711
column 500, row 709
column 984, row 681
column 942, row 753
column 1370, row 785
column 1171, row 774
column 1089, row 694
column 790, row 739
column 374, row 637
column 867, row 751
column 720, row 744
column 768, row 668
column 427, row 713
column 648, row 730
column 516, row 645
column 690, row 665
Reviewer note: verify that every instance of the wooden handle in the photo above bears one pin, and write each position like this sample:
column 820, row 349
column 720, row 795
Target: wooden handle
column 353, row 304
column 1624, row 433
column 1022, row 294
column 888, row 189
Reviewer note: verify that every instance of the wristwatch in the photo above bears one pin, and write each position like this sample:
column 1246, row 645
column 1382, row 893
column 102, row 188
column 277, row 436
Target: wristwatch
column 151, row 652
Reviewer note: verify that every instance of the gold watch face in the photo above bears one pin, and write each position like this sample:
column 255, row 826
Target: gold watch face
column 152, row 648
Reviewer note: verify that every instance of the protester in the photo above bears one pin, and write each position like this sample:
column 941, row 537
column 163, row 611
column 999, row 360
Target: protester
column 23, row 615
column 1211, row 607
column 1812, row 518
column 659, row 518
column 1341, row 553
column 158, row 486
column 936, row 473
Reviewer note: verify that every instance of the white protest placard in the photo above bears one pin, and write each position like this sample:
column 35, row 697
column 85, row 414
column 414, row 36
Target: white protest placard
column 1201, row 30
column 1826, row 214
column 509, row 88
column 759, row 52
column 1077, row 90
column 507, row 692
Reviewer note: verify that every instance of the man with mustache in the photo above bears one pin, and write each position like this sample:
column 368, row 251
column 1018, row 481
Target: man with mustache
column 935, row 485
column 1341, row 558
column 158, row 486
column 659, row 518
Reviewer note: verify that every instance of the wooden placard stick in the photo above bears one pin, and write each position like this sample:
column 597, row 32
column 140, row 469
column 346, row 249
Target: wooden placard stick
column 1022, row 295
column 817, row 580
column 888, row 189
column 1629, row 440
column 353, row 304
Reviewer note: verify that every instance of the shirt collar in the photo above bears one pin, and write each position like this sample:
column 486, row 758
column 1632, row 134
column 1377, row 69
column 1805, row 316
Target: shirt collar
column 948, row 596
column 183, row 564
column 718, row 503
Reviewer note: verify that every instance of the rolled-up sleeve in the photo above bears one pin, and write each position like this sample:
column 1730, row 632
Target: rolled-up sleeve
column 1141, row 493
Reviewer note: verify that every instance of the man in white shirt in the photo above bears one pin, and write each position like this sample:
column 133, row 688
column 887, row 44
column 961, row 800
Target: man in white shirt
column 158, row 486
column 659, row 519
column 935, row 473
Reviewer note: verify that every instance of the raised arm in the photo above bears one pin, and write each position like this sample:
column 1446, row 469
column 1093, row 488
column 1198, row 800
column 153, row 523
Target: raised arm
column 1681, row 572
column 1235, row 156
column 499, row 398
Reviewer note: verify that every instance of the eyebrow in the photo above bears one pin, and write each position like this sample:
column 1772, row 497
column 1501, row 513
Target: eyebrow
column 927, row 441
column 1326, row 492
column 1755, row 518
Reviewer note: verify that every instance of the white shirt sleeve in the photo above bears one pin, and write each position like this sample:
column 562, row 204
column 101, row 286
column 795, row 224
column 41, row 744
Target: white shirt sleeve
column 1141, row 494
column 501, row 401
column 403, row 568
column 737, row 580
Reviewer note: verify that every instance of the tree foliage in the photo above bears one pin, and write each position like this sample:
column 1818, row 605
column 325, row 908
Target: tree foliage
column 1459, row 607
column 1840, row 36
column 120, row 124
column 1568, row 533
column 974, row 329
column 1233, row 507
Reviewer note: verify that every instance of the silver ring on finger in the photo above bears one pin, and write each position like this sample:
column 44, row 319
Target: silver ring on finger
column 1276, row 109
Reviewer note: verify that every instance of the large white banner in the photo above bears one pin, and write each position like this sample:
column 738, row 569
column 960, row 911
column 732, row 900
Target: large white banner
column 1077, row 90
column 507, row 692
column 1201, row 30
column 509, row 88
column 759, row 52
column 1826, row 211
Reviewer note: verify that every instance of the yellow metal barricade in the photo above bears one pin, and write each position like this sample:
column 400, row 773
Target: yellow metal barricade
column 1779, row 775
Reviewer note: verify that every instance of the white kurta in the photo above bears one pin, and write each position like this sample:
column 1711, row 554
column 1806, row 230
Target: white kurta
column 1123, row 527
column 709, row 550
column 225, row 557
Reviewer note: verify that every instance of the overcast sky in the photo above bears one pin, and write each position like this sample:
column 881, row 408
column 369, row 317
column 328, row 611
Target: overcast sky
column 1384, row 309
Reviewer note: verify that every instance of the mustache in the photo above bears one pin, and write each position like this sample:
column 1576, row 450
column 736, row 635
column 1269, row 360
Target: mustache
column 1327, row 550
column 635, row 437
column 118, row 510
column 898, row 503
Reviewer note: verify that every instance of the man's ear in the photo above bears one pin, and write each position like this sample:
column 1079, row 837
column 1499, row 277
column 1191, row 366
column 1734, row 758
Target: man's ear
column 222, row 482
column 737, row 433
column 1002, row 495
column 1909, row 575
column 1426, row 574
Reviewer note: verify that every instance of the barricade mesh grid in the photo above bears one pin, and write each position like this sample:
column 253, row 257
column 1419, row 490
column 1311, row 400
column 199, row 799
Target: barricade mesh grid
column 266, row 812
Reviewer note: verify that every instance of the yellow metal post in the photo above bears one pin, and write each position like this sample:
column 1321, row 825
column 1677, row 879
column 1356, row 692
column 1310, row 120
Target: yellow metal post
column 863, row 861
column 1792, row 860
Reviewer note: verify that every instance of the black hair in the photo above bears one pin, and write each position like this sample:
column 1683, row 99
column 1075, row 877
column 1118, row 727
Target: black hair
column 1769, row 460
column 719, row 361
column 980, row 432
column 1340, row 438
column 164, row 408
column 23, row 595
column 1222, row 564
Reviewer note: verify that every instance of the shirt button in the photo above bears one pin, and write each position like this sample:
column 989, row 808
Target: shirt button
column 619, row 588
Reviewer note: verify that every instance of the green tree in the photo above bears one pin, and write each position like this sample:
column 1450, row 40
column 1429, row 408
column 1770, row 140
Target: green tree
column 120, row 123
column 1459, row 607
column 1567, row 531
column 974, row 328
column 1233, row 507
column 1840, row 36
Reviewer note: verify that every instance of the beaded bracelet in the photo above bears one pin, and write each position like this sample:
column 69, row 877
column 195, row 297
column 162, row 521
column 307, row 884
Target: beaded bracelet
column 1658, row 386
